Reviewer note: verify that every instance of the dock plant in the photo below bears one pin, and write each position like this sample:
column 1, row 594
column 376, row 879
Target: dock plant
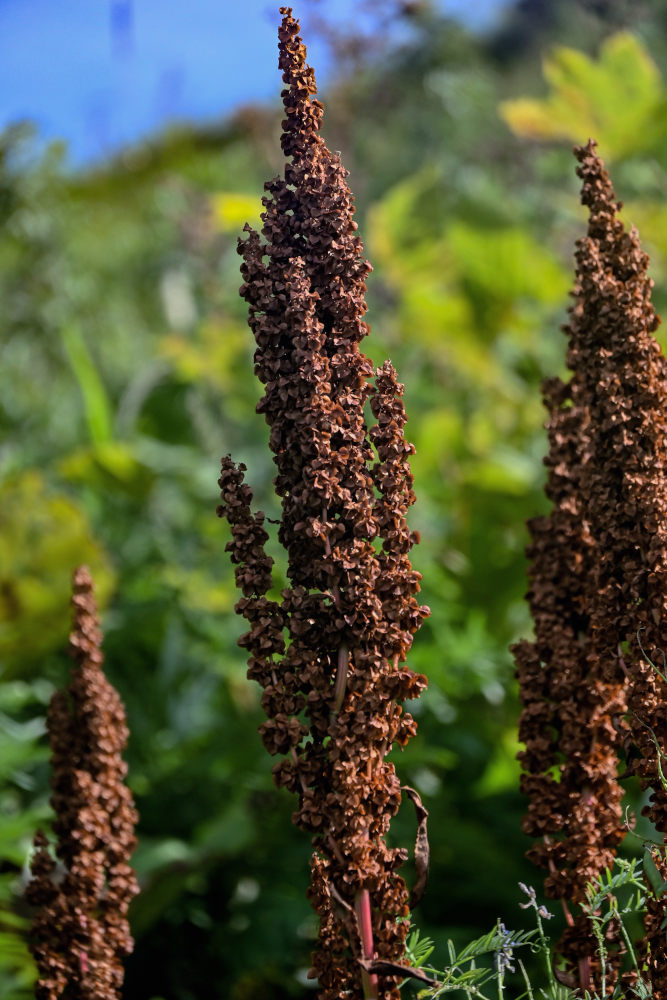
column 329, row 652
column 80, row 933
column 593, row 701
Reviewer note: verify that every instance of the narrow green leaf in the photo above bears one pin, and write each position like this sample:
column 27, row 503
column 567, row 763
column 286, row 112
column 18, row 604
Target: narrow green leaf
column 95, row 399
column 652, row 874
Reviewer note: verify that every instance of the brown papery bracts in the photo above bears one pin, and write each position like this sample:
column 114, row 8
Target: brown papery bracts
column 593, row 705
column 330, row 653
column 80, row 934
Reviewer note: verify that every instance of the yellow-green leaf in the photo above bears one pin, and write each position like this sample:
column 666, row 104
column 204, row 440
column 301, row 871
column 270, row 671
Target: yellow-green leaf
column 43, row 537
column 507, row 263
column 232, row 210
column 618, row 99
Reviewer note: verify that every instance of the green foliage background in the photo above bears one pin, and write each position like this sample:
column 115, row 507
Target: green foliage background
column 127, row 372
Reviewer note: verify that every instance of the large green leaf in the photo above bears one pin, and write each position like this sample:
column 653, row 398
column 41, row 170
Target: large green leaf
column 618, row 99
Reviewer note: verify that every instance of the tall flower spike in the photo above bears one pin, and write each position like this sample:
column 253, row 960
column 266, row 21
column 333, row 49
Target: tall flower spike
column 624, row 382
column 80, row 933
column 599, row 575
column 570, row 714
column 331, row 696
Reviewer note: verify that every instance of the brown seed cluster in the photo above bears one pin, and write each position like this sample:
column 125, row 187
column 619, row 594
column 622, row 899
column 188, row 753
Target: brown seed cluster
column 80, row 933
column 330, row 654
column 598, row 573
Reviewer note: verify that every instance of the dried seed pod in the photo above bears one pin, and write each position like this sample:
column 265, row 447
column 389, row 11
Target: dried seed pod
column 332, row 695
column 598, row 576
column 80, row 933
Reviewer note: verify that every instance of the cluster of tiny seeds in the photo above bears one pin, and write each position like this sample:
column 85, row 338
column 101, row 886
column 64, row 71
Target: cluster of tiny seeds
column 569, row 718
column 332, row 693
column 80, row 932
column 599, row 574
column 624, row 375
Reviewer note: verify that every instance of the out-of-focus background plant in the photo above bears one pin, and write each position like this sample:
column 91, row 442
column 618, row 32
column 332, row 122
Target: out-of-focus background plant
column 127, row 371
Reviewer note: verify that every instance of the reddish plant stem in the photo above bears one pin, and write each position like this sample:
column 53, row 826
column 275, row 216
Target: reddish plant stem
column 362, row 907
column 335, row 591
column 566, row 913
column 341, row 678
column 585, row 973
column 302, row 780
column 584, row 963
column 552, row 868
column 335, row 849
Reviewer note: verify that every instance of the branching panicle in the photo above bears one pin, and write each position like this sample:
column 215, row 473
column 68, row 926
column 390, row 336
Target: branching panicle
column 598, row 574
column 80, row 933
column 349, row 611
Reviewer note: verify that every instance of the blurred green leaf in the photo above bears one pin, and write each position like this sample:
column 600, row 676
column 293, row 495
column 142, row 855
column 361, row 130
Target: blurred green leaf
column 43, row 537
column 109, row 465
column 98, row 411
column 232, row 210
column 506, row 264
column 618, row 99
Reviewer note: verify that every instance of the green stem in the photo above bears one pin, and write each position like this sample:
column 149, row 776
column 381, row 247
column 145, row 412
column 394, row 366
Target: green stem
column 545, row 950
column 602, row 951
column 529, row 988
column 628, row 942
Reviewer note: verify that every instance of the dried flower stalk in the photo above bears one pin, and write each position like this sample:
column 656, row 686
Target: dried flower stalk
column 332, row 691
column 599, row 578
column 80, row 932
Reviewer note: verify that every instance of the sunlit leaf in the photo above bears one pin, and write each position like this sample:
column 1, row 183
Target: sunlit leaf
column 617, row 99
column 111, row 464
column 232, row 210
column 43, row 537
column 506, row 264
column 502, row 771
column 218, row 352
